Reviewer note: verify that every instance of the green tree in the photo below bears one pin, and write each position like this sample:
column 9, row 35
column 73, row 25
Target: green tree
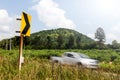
column 49, row 42
column 60, row 41
column 100, row 36
column 71, row 42
column 35, row 44
column 115, row 44
column 78, row 42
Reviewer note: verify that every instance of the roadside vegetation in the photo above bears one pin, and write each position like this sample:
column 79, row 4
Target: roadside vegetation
column 37, row 66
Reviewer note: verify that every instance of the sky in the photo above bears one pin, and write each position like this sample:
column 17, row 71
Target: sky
column 84, row 16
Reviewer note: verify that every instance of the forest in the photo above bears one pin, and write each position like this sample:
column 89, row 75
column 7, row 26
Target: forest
column 60, row 38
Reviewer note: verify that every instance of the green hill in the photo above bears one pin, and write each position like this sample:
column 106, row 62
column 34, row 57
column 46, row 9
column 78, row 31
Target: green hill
column 59, row 38
column 53, row 39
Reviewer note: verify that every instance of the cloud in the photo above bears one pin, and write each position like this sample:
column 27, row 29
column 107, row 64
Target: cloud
column 115, row 29
column 51, row 15
column 8, row 25
column 4, row 21
column 91, row 36
column 4, row 18
column 114, row 33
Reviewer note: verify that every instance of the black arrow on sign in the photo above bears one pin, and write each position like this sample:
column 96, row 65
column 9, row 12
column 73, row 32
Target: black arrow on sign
column 27, row 23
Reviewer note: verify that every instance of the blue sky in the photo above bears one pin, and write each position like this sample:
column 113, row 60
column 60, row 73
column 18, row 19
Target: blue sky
column 84, row 16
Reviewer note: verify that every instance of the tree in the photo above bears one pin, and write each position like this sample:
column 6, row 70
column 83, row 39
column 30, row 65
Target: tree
column 115, row 44
column 49, row 42
column 60, row 41
column 71, row 42
column 100, row 35
column 78, row 42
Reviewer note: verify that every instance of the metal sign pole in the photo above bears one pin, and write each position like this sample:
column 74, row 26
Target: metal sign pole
column 20, row 52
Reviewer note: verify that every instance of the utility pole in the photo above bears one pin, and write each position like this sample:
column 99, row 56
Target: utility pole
column 6, row 44
column 10, row 44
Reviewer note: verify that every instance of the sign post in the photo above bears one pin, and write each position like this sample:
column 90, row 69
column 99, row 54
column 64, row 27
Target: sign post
column 24, row 31
column 20, row 51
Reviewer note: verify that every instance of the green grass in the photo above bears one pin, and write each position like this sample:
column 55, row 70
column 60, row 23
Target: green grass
column 38, row 67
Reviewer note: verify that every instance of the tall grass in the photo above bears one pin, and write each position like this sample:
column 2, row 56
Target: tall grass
column 37, row 67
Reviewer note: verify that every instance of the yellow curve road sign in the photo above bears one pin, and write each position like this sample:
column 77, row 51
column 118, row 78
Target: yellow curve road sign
column 25, row 24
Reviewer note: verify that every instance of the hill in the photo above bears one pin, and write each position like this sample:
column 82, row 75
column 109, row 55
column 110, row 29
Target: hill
column 53, row 39
column 59, row 38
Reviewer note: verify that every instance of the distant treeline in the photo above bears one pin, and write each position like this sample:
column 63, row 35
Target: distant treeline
column 54, row 39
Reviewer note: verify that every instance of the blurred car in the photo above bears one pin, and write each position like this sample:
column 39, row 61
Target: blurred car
column 74, row 58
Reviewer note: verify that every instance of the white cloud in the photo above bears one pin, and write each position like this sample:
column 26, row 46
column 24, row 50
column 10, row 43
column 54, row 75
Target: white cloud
column 4, row 21
column 51, row 15
column 91, row 36
column 112, row 36
column 4, row 18
column 115, row 29
column 114, row 33
column 8, row 25
column 106, row 7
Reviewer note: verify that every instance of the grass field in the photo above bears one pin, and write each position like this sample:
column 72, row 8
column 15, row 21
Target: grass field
column 37, row 66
